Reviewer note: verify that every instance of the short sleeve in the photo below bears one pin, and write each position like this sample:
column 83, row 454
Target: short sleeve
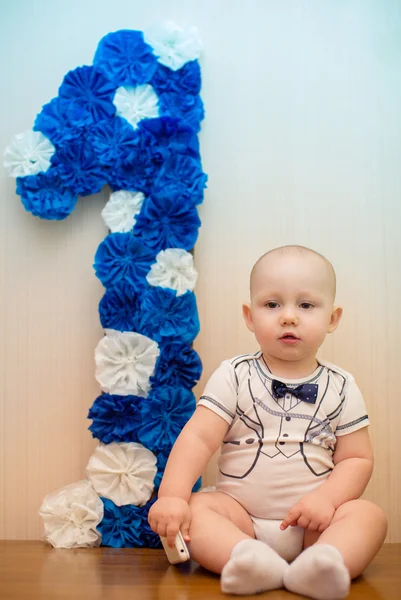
column 220, row 393
column 354, row 415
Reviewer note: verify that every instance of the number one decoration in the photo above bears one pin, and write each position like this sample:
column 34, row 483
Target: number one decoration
column 130, row 121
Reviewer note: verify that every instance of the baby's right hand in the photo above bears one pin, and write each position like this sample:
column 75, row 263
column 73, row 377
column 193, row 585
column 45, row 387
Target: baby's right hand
column 168, row 516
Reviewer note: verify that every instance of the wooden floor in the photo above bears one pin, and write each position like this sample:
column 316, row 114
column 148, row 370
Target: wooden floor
column 33, row 570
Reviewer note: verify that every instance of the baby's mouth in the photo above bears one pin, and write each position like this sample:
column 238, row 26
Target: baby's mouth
column 289, row 337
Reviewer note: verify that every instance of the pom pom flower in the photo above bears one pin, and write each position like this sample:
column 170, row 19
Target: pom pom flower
column 168, row 220
column 126, row 526
column 28, row 154
column 115, row 418
column 123, row 473
column 118, row 309
column 174, row 269
column 89, row 89
column 45, row 196
column 136, row 103
column 125, row 58
column 164, row 415
column 120, row 211
column 166, row 316
column 178, row 365
column 122, row 257
column 125, row 363
column 71, row 516
column 174, row 46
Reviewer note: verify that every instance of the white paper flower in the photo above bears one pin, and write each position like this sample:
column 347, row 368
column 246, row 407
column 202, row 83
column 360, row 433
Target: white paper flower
column 174, row 268
column 120, row 211
column 123, row 473
column 28, row 154
column 174, row 46
column 71, row 516
column 124, row 362
column 136, row 103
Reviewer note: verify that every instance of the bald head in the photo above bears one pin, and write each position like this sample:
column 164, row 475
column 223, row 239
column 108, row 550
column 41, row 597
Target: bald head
column 288, row 257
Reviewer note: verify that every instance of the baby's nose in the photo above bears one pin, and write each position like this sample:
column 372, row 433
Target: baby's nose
column 289, row 317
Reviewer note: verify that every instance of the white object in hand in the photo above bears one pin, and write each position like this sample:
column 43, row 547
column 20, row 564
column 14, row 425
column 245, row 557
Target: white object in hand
column 179, row 552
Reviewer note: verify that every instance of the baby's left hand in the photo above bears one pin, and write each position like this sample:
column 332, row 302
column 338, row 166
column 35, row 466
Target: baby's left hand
column 313, row 512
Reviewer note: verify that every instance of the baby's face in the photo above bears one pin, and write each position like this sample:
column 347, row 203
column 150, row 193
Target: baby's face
column 292, row 295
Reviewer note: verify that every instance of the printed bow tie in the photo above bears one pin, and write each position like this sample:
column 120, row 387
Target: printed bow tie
column 307, row 392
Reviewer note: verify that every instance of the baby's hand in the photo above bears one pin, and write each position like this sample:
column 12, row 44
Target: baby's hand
column 168, row 516
column 313, row 512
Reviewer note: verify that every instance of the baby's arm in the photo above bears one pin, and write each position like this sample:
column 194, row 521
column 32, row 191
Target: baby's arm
column 194, row 447
column 353, row 460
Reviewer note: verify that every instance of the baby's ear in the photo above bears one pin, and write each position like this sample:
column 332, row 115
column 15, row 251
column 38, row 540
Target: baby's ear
column 247, row 314
column 335, row 318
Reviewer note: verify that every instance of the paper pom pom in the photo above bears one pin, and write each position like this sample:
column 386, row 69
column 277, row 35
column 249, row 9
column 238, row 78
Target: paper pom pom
column 71, row 516
column 187, row 107
column 125, row 58
column 115, row 418
column 174, row 46
column 183, row 173
column 118, row 309
column 169, row 136
column 165, row 316
column 122, row 257
column 45, row 196
column 126, row 526
column 125, row 362
column 178, row 365
column 185, row 81
column 121, row 209
column 168, row 220
column 124, row 473
column 164, row 415
column 136, row 103
column 77, row 166
column 174, row 268
column 28, row 154
column 89, row 89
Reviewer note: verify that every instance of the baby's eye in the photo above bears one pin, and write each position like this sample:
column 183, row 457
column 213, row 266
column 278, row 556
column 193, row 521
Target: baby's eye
column 306, row 305
column 272, row 304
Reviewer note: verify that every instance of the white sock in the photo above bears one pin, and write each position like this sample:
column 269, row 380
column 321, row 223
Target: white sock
column 320, row 573
column 253, row 567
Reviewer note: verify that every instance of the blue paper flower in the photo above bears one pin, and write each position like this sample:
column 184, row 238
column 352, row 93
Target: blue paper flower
column 186, row 80
column 148, row 538
column 186, row 107
column 115, row 418
column 121, row 525
column 164, row 315
column 125, row 58
column 45, row 196
column 78, row 168
column 87, row 88
column 118, row 309
column 164, row 414
column 170, row 136
column 122, row 257
column 114, row 141
column 55, row 122
column 185, row 173
column 168, row 220
column 178, row 365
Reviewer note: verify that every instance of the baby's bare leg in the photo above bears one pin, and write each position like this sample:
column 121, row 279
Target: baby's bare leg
column 218, row 523
column 357, row 531
column 340, row 553
column 222, row 540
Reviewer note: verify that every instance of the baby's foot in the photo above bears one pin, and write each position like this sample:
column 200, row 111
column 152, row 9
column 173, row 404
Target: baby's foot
column 253, row 567
column 320, row 573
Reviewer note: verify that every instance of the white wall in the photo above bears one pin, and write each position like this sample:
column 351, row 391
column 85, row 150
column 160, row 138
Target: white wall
column 301, row 142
